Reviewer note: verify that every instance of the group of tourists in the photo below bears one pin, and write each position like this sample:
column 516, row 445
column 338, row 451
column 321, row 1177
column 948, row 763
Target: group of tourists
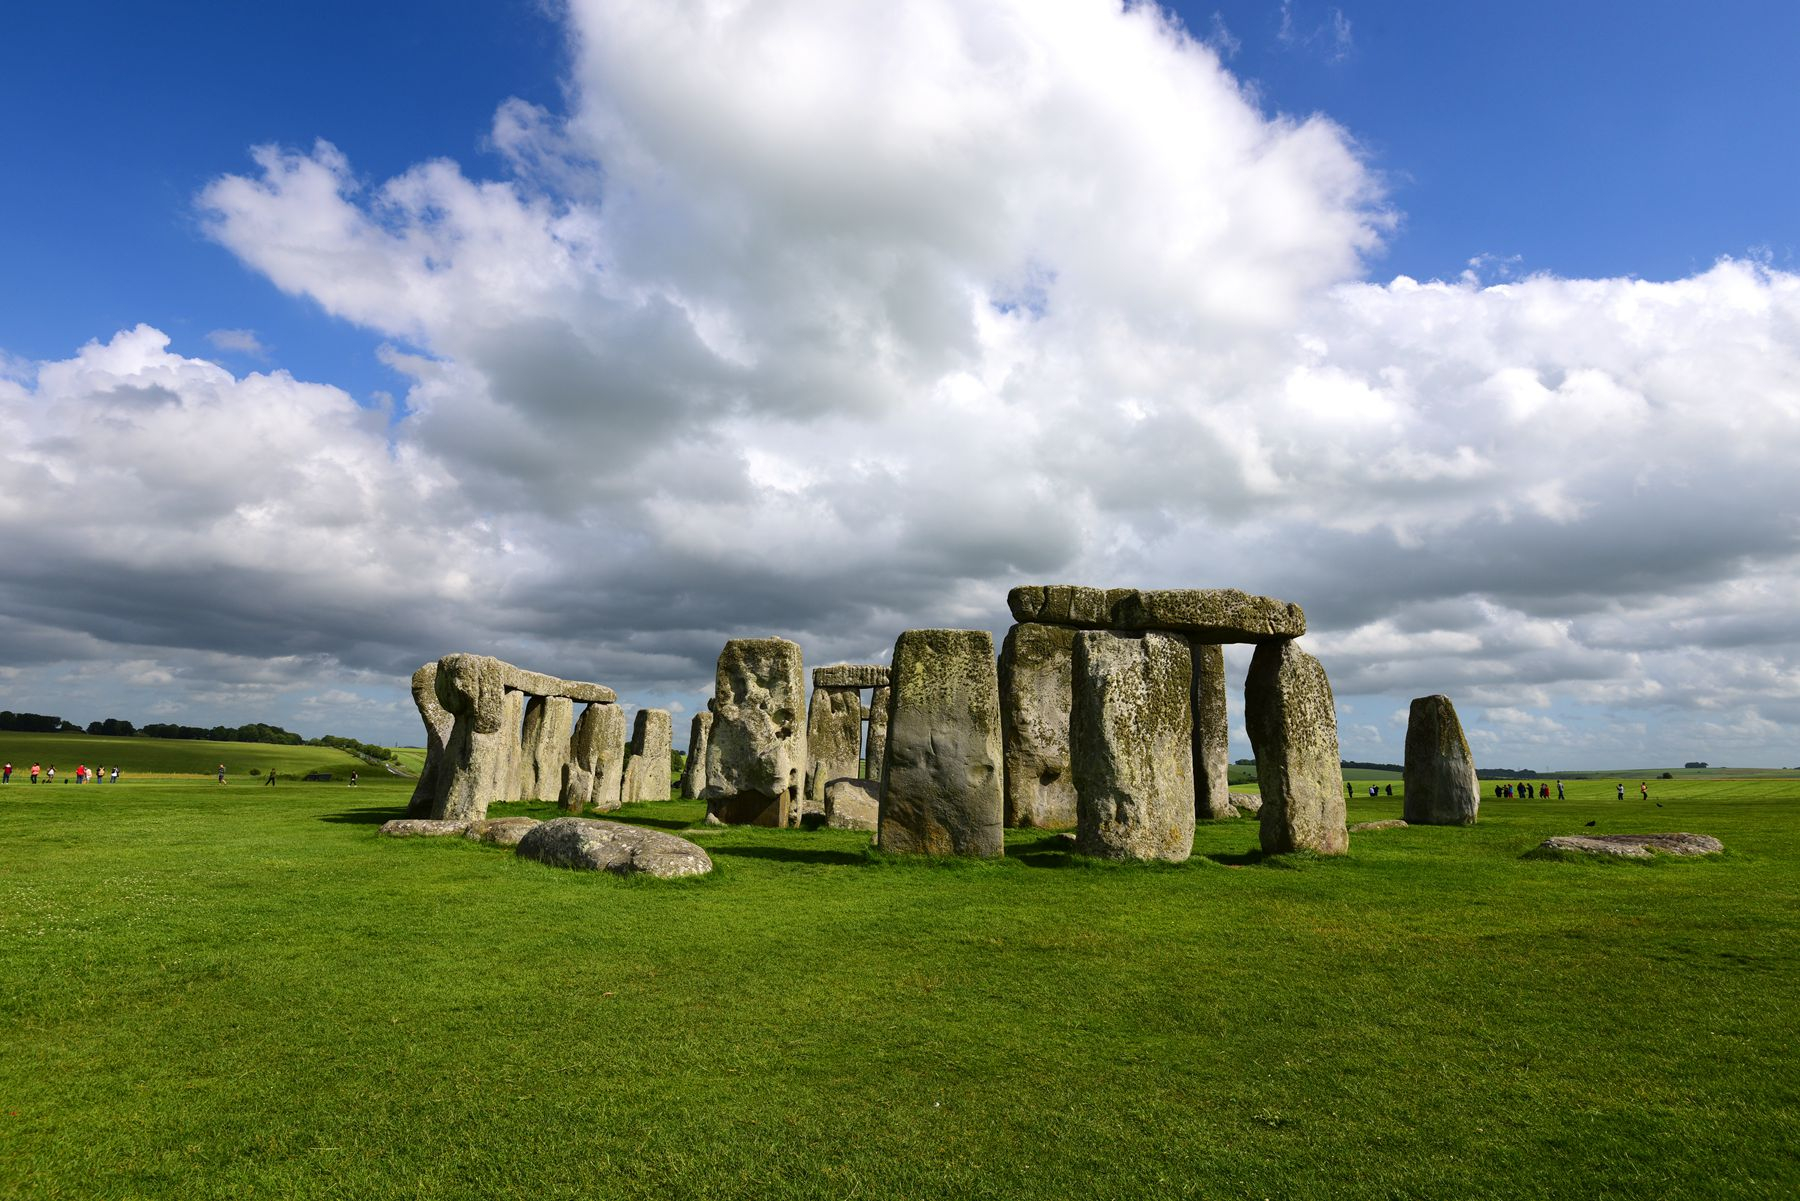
column 1507, row 792
column 83, row 774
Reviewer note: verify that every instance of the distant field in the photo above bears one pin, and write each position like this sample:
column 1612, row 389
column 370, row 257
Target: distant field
column 148, row 757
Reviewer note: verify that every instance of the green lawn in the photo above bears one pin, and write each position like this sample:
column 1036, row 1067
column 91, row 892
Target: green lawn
column 242, row 992
column 137, row 757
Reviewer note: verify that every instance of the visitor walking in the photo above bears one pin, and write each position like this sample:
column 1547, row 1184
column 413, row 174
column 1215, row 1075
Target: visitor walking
column 6, row 774
column 1621, row 790
column 1643, row 790
column 115, row 775
column 35, row 771
column 1559, row 790
column 221, row 773
column 50, row 774
column 353, row 779
column 81, row 773
column 270, row 782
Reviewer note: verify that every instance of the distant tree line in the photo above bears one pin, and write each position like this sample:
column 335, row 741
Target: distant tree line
column 35, row 723
column 368, row 750
column 256, row 731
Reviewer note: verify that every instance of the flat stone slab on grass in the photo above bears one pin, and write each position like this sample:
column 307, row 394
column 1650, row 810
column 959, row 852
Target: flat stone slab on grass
column 1391, row 823
column 588, row 844
column 422, row 827
column 1246, row 802
column 1634, row 846
column 500, row 831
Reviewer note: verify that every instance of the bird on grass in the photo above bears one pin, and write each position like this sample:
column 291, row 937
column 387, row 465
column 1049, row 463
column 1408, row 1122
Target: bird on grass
column 1590, row 823
column 1659, row 804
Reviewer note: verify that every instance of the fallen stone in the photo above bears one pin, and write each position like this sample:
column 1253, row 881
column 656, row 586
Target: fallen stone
column 1441, row 789
column 500, row 831
column 850, row 675
column 852, row 804
column 588, row 844
column 1292, row 720
column 833, row 741
column 1212, row 733
column 756, row 755
column 693, row 775
column 1245, row 802
column 1131, row 744
column 422, row 827
column 1634, row 846
column 1390, row 823
column 941, row 778
column 1037, row 666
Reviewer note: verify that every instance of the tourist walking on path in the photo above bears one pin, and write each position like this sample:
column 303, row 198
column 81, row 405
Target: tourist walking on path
column 34, row 773
column 115, row 775
column 221, row 773
column 1643, row 790
column 353, row 779
column 6, row 774
column 270, row 782
column 1621, row 791
column 81, row 773
column 50, row 774
column 1559, row 791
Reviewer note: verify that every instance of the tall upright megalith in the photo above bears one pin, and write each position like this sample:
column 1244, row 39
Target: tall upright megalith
column 1212, row 726
column 693, row 775
column 1131, row 745
column 1292, row 721
column 1441, row 789
column 875, row 745
column 590, row 777
column 476, row 757
column 1036, row 693
column 438, row 724
column 548, row 726
column 942, row 779
column 647, row 765
column 833, row 740
column 756, row 753
column 512, row 730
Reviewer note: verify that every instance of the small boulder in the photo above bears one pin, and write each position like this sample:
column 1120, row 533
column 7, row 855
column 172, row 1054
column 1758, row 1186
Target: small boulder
column 587, row 844
column 1246, row 802
column 422, row 827
column 1634, row 846
column 1392, row 823
column 852, row 804
column 500, row 831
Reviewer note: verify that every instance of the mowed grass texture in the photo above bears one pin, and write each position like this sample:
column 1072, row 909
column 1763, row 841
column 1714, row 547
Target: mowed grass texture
column 242, row 992
column 149, row 757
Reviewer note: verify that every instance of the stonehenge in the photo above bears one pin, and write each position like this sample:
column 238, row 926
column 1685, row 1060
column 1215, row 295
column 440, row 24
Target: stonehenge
column 941, row 779
column 544, row 746
column 438, row 723
column 876, row 746
column 693, row 776
column 756, row 749
column 483, row 753
column 647, row 762
column 834, row 727
column 1441, row 789
column 594, row 775
column 1077, row 756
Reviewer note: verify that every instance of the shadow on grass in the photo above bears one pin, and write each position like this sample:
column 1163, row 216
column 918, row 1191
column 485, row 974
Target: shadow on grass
column 792, row 855
column 633, row 819
column 1236, row 858
column 364, row 817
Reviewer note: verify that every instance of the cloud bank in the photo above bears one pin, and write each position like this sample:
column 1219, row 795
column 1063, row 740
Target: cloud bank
column 833, row 320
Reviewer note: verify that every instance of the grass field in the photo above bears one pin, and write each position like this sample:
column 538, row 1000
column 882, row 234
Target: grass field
column 152, row 757
column 240, row 992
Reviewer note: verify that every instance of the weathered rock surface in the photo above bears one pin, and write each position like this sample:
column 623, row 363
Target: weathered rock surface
column 647, row 766
column 852, row 804
column 693, row 776
column 512, row 732
column 1245, row 802
column 756, row 756
column 588, row 844
column 1441, row 789
column 1633, row 846
column 501, row 831
column 875, row 744
column 1209, row 615
column 422, row 827
column 473, row 770
column 596, row 754
column 438, row 724
column 850, row 675
column 1037, row 666
column 833, row 740
column 1212, row 734
column 1131, row 744
column 548, row 728
column 941, row 779
column 1390, row 823
column 1292, row 721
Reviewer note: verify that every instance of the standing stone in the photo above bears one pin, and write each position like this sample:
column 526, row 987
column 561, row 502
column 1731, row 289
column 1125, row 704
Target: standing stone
column 1036, row 691
column 475, row 759
column 587, row 749
column 1212, row 726
column 1440, row 772
column 1292, row 720
column 941, row 778
column 693, row 776
column 1131, row 742
column 647, row 768
column 833, row 741
column 756, row 754
column 438, row 724
column 609, row 763
column 512, row 728
column 546, row 747
column 875, row 749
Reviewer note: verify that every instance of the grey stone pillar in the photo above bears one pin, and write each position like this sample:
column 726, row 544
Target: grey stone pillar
column 1441, row 789
column 1212, row 731
column 833, row 741
column 1036, row 669
column 475, row 755
column 941, row 788
column 693, row 776
column 548, row 721
column 1131, row 742
column 875, row 749
column 512, row 728
column 438, row 724
column 756, row 754
column 647, row 766
column 1292, row 720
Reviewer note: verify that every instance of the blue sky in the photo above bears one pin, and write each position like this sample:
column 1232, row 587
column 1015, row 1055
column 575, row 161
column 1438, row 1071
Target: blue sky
column 1567, row 142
